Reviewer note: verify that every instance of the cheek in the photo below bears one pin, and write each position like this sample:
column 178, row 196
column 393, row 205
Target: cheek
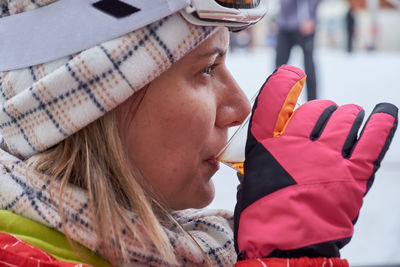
column 167, row 140
column 184, row 130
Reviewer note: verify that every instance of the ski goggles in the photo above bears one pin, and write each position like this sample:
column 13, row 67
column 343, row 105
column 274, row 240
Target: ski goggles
column 66, row 27
column 234, row 14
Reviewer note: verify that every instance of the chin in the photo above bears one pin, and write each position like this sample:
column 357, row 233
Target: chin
column 200, row 199
column 206, row 197
column 204, row 203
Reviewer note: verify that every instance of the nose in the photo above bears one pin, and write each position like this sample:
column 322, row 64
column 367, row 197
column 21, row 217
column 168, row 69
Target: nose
column 234, row 105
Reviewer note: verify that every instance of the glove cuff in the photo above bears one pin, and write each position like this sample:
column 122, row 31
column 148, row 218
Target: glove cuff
column 293, row 262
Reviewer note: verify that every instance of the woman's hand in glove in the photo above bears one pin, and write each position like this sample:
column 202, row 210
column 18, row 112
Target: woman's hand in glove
column 306, row 172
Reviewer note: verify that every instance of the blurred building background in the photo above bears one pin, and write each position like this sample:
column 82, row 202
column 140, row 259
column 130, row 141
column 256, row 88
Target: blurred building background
column 377, row 26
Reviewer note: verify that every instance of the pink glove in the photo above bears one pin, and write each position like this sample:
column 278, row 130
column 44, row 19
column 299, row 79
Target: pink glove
column 306, row 172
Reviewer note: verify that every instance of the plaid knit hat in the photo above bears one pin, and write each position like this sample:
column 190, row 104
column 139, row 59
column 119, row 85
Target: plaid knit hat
column 43, row 104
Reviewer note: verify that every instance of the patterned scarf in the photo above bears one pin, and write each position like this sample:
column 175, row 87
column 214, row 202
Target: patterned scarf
column 29, row 194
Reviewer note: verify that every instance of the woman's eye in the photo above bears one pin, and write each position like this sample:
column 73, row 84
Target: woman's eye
column 208, row 70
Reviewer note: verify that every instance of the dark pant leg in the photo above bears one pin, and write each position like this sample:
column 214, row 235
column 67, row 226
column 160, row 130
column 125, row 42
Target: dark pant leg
column 307, row 44
column 349, row 41
column 284, row 45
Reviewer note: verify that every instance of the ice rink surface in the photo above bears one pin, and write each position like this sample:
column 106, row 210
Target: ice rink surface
column 363, row 78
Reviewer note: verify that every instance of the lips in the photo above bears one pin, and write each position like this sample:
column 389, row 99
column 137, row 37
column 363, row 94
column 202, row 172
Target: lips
column 213, row 163
column 212, row 160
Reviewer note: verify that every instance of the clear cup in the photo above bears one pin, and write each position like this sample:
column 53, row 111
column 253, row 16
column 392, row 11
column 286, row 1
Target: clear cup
column 232, row 154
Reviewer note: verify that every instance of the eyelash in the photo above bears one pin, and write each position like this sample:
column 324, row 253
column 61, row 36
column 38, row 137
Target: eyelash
column 209, row 69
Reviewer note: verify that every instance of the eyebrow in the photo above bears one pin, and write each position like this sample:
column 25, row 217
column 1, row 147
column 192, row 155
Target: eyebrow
column 219, row 51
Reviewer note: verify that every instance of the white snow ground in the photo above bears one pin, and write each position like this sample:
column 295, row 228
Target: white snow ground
column 363, row 78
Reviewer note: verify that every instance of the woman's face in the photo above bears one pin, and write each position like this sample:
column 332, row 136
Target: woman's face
column 179, row 123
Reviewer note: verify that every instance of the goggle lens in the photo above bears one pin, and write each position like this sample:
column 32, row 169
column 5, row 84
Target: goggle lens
column 243, row 4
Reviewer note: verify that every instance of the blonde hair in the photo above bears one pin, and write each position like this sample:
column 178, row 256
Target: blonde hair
column 94, row 159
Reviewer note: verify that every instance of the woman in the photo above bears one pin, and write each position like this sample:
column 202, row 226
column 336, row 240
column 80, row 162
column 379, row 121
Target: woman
column 111, row 146
column 101, row 158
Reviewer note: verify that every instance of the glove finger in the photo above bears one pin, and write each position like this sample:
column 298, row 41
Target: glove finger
column 340, row 132
column 374, row 141
column 310, row 116
column 276, row 101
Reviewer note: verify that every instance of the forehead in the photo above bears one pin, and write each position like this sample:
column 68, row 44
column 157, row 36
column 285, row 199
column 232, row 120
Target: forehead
column 219, row 40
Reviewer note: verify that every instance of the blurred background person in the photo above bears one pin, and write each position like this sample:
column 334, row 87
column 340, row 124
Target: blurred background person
column 297, row 21
column 373, row 6
column 350, row 23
